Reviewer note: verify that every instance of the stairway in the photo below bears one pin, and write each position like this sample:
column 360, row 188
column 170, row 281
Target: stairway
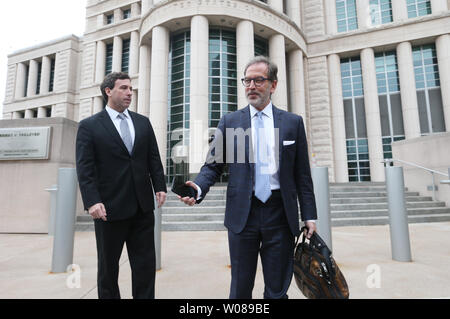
column 352, row 204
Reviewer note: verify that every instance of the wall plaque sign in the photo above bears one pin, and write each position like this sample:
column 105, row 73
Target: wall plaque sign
column 25, row 143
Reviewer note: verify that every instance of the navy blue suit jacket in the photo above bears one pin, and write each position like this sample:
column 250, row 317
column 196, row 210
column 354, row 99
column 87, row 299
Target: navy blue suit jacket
column 294, row 169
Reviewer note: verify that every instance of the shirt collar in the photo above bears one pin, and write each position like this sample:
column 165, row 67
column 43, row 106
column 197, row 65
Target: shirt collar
column 268, row 111
column 113, row 113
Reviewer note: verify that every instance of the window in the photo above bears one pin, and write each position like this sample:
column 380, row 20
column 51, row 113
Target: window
column 380, row 11
column 110, row 18
column 38, row 84
column 126, row 14
column 125, row 55
column 355, row 120
column 222, row 74
column 391, row 114
column 418, row 8
column 261, row 46
column 346, row 15
column 109, row 58
column 179, row 101
column 52, row 75
column 426, row 72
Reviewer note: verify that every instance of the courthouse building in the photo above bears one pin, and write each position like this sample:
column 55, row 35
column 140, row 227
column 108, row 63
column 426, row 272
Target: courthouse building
column 362, row 73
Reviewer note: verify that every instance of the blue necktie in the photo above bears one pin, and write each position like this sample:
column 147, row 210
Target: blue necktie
column 262, row 176
column 125, row 132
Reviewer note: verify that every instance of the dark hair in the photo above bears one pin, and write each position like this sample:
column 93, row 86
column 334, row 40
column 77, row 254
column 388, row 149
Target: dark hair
column 272, row 73
column 110, row 82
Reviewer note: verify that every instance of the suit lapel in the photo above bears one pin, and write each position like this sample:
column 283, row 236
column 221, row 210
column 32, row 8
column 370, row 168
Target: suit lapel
column 137, row 130
column 246, row 124
column 107, row 123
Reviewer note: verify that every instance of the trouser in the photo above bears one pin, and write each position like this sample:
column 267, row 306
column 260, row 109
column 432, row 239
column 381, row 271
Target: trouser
column 138, row 234
column 266, row 233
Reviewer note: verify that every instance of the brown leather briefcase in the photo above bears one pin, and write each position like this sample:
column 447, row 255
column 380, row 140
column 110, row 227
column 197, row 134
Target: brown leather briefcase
column 315, row 271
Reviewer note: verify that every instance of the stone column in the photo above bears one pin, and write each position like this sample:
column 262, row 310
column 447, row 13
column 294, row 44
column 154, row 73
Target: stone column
column 363, row 13
column 399, row 10
column 145, row 6
column 443, row 55
column 199, row 113
column 276, row 5
column 373, row 122
column 135, row 10
column 32, row 78
column 297, row 83
column 134, row 99
column 29, row 114
column 98, row 104
column 294, row 11
column 144, row 80
column 21, row 79
column 159, row 83
column 100, row 62
column 278, row 56
column 134, row 53
column 338, row 120
column 117, row 54
column 331, row 18
column 245, row 52
column 45, row 74
column 438, row 6
column 410, row 107
column 16, row 115
column 42, row 112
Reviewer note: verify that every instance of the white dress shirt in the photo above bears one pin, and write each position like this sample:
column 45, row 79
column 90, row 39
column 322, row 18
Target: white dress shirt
column 114, row 115
column 269, row 131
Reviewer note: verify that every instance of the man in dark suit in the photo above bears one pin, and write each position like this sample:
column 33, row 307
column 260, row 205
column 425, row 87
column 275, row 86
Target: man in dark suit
column 266, row 151
column 117, row 163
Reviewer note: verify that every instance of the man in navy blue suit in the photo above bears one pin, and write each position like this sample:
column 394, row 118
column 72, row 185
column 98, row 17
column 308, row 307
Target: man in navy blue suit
column 266, row 152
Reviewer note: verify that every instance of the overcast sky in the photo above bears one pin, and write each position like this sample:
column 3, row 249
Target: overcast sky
column 26, row 23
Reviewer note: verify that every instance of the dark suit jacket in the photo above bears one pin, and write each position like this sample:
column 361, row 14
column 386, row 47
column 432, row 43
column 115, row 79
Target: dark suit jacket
column 108, row 174
column 294, row 170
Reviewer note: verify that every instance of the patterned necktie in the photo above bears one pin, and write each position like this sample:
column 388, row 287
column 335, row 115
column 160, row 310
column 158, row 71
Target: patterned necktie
column 125, row 132
column 262, row 176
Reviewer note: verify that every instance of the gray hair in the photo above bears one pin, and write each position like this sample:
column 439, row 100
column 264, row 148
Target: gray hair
column 272, row 67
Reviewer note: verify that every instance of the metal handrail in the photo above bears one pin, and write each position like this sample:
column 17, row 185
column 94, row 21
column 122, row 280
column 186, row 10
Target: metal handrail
column 432, row 171
column 415, row 165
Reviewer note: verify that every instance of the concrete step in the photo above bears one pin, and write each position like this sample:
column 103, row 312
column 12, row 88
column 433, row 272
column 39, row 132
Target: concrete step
column 384, row 220
column 385, row 212
column 360, row 200
column 193, row 226
column 351, row 204
column 365, row 194
column 364, row 206
column 192, row 217
column 208, row 203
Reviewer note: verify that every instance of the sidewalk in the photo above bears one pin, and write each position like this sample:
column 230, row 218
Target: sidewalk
column 195, row 265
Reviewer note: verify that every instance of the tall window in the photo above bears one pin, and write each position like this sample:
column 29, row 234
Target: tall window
column 126, row 55
column 261, row 47
column 428, row 87
column 109, row 58
column 418, row 8
column 389, row 99
column 380, row 11
column 52, row 74
column 222, row 74
column 346, row 15
column 179, row 100
column 38, row 86
column 355, row 120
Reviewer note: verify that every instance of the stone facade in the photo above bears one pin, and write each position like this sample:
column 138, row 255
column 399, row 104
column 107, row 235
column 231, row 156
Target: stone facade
column 303, row 38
